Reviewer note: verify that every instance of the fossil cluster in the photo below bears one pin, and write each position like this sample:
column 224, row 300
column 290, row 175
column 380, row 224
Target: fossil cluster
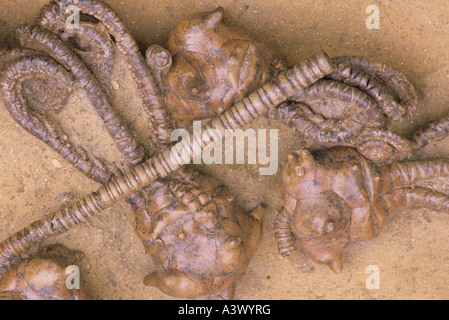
column 199, row 239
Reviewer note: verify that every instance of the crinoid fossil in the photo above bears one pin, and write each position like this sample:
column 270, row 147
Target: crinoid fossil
column 198, row 237
column 337, row 196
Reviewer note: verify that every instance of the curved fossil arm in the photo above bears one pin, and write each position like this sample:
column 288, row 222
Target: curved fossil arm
column 398, row 100
column 433, row 132
column 383, row 146
column 153, row 100
column 42, row 40
column 361, row 124
column 284, row 236
column 327, row 127
column 160, row 165
column 389, row 88
column 35, row 123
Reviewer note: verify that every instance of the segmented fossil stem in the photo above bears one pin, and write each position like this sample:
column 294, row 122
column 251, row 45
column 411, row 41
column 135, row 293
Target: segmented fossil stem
column 80, row 212
column 283, row 234
column 163, row 163
column 35, row 123
column 152, row 98
column 33, row 37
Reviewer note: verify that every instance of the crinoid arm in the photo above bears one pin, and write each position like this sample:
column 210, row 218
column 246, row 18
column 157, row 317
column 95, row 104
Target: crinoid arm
column 330, row 113
column 383, row 145
column 150, row 93
column 14, row 79
column 416, row 198
column 409, row 173
column 392, row 91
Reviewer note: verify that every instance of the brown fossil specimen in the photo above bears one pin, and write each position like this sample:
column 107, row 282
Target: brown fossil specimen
column 213, row 66
column 53, row 18
column 218, row 238
column 163, row 163
column 160, row 166
column 208, row 72
column 42, row 277
column 204, row 73
column 200, row 240
column 337, row 196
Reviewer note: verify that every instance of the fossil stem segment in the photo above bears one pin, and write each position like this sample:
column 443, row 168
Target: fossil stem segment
column 163, row 163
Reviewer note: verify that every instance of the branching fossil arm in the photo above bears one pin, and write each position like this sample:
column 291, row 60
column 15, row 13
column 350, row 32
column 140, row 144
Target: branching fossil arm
column 433, row 132
column 415, row 198
column 409, row 173
column 306, row 126
column 383, row 146
column 399, row 104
